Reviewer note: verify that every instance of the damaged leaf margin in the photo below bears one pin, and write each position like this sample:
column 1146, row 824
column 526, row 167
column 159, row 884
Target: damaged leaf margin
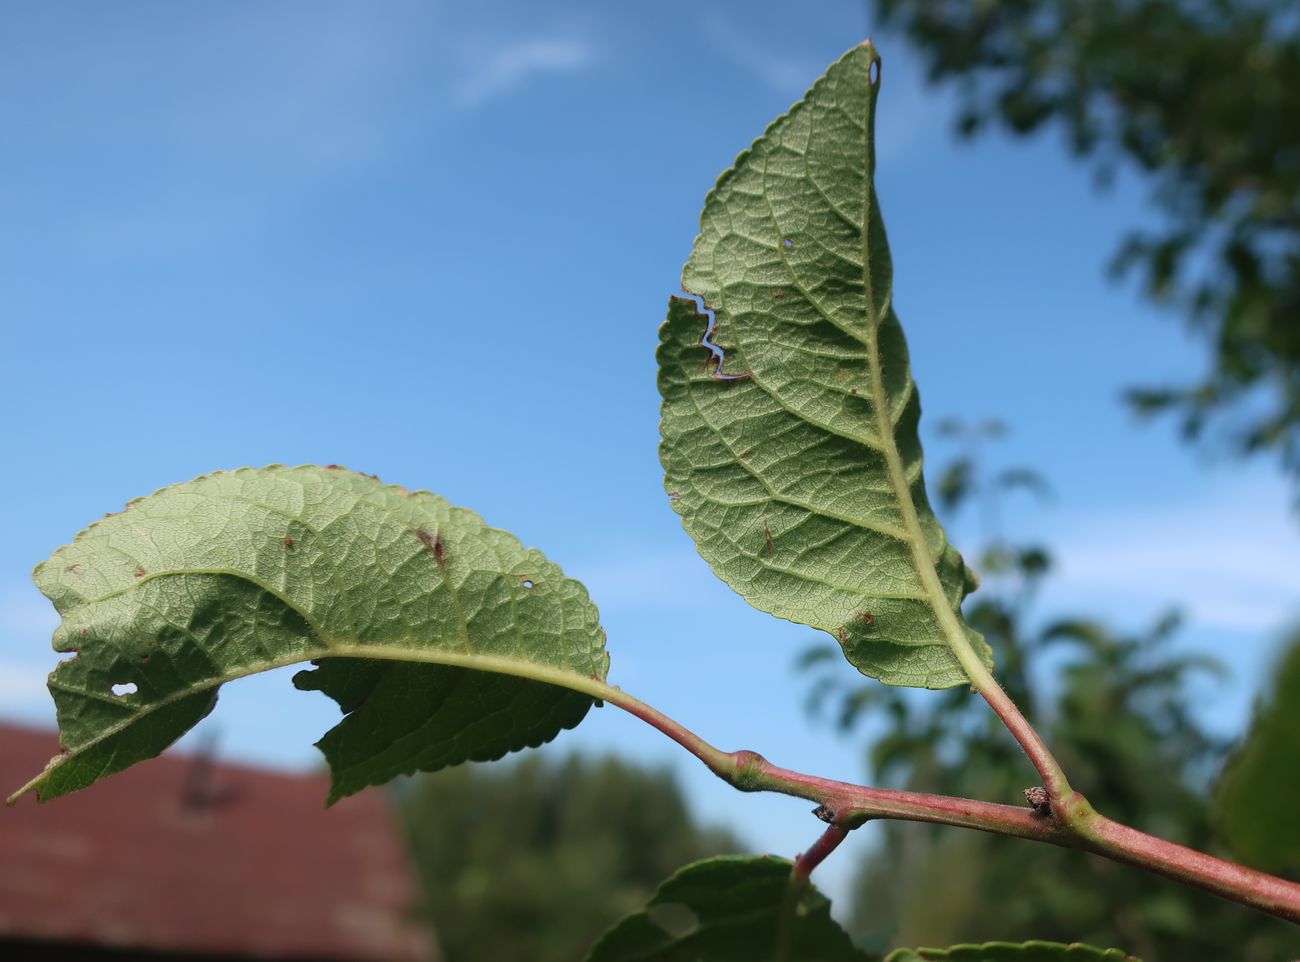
column 441, row 638
column 799, row 476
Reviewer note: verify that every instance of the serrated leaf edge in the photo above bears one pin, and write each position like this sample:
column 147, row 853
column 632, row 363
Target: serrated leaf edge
column 922, row 561
column 1108, row 955
column 334, row 648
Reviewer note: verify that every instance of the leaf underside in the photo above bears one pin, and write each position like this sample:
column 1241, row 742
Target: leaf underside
column 790, row 437
column 1012, row 952
column 729, row 909
column 442, row 639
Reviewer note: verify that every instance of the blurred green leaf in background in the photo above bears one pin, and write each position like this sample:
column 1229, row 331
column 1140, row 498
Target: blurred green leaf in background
column 532, row 861
column 1197, row 100
column 1119, row 710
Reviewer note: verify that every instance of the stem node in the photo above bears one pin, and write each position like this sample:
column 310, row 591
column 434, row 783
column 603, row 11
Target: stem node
column 748, row 770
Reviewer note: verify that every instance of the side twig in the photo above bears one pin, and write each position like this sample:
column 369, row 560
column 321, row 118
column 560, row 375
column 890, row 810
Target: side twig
column 1069, row 821
column 827, row 843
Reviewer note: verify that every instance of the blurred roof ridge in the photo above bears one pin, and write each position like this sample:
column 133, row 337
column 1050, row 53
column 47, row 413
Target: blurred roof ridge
column 258, row 869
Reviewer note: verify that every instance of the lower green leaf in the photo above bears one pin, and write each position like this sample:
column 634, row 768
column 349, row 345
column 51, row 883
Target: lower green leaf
column 402, row 718
column 731, row 909
column 1012, row 952
column 442, row 639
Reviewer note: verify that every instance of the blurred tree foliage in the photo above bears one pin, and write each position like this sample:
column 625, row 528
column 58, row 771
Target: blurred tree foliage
column 1117, row 710
column 1203, row 98
column 532, row 861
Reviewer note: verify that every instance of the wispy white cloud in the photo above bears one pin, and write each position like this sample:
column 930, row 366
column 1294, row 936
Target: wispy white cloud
column 509, row 67
column 22, row 687
column 215, row 150
column 1230, row 562
column 780, row 71
column 26, row 622
column 670, row 580
column 25, row 613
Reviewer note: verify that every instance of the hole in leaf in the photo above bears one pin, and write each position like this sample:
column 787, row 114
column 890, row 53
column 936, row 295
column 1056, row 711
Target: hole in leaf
column 788, row 244
column 122, row 689
column 875, row 72
column 717, row 357
column 528, row 583
column 675, row 919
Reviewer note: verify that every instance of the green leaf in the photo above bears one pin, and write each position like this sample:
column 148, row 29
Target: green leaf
column 442, row 639
column 730, row 909
column 1257, row 801
column 794, row 461
column 1009, row 952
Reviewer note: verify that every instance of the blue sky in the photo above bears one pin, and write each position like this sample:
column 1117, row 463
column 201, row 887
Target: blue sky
column 434, row 242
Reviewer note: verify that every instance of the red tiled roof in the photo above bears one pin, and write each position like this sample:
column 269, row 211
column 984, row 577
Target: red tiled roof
column 260, row 870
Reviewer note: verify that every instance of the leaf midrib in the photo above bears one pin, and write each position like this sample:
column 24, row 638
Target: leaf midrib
column 885, row 415
column 497, row 664
column 922, row 561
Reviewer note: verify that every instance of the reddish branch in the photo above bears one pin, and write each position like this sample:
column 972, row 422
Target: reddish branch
column 809, row 860
column 1066, row 820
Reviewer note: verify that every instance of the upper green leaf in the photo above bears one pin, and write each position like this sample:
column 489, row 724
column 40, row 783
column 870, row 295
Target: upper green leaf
column 790, row 430
column 1009, row 952
column 730, row 909
column 1257, row 801
column 442, row 639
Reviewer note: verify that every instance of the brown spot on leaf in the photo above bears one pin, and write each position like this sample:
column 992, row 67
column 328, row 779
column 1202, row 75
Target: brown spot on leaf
column 673, row 495
column 288, row 543
column 767, row 536
column 853, row 391
column 139, row 572
column 778, row 293
column 433, row 544
column 842, row 634
column 867, row 617
column 72, row 569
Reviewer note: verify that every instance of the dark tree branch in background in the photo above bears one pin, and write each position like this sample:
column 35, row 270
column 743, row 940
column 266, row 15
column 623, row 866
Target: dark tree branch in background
column 1199, row 97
